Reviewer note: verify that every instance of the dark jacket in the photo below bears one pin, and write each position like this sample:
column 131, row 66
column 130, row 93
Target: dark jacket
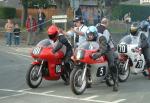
column 62, row 40
column 16, row 31
column 143, row 41
column 42, row 16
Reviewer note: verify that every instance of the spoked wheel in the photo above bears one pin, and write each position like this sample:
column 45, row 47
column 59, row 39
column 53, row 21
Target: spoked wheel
column 77, row 85
column 123, row 74
column 32, row 77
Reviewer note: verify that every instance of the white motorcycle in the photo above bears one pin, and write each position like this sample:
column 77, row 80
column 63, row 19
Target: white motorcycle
column 130, row 57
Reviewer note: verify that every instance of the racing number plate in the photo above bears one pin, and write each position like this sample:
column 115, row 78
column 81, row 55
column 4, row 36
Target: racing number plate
column 139, row 64
column 101, row 71
column 58, row 69
column 122, row 48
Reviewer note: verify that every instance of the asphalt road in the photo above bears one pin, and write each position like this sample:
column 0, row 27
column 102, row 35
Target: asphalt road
column 14, row 63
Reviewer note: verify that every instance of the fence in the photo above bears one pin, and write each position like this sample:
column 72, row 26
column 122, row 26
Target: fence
column 48, row 12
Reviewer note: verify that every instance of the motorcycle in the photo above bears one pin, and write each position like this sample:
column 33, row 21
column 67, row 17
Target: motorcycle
column 130, row 57
column 46, row 64
column 87, row 70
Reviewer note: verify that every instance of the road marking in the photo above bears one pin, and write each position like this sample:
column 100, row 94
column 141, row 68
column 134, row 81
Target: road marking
column 22, row 90
column 19, row 54
column 12, row 95
column 58, row 96
column 7, row 90
column 48, row 92
column 118, row 101
column 91, row 97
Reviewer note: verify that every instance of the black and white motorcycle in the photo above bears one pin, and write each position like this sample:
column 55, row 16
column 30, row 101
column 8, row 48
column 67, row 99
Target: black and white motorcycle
column 130, row 57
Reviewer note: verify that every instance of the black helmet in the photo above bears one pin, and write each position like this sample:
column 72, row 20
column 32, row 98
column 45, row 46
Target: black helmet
column 144, row 25
column 134, row 29
column 78, row 18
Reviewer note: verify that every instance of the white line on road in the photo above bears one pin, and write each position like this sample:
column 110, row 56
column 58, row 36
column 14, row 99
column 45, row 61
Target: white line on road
column 7, row 90
column 22, row 90
column 58, row 96
column 19, row 54
column 12, row 95
column 48, row 92
column 118, row 101
column 91, row 97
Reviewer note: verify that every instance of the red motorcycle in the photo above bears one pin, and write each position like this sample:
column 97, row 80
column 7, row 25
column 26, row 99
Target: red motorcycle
column 87, row 70
column 46, row 64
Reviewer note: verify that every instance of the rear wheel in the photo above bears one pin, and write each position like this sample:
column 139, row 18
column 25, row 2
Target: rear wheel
column 32, row 78
column 77, row 85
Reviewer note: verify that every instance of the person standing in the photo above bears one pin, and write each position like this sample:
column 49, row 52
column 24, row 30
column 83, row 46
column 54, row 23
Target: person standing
column 31, row 26
column 127, row 20
column 17, row 35
column 41, row 19
column 9, row 27
column 79, row 30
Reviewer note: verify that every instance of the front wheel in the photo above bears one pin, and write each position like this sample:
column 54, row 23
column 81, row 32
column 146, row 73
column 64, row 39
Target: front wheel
column 123, row 74
column 32, row 77
column 77, row 85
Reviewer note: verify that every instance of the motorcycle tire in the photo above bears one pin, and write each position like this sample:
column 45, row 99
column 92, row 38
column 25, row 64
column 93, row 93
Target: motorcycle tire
column 123, row 75
column 75, row 81
column 34, row 81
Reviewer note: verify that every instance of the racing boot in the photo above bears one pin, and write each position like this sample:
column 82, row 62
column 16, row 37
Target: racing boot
column 149, row 73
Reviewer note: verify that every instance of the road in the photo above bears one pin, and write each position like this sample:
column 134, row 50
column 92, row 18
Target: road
column 14, row 63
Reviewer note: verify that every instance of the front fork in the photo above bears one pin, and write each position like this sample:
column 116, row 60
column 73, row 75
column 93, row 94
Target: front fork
column 84, row 72
column 126, row 64
column 41, row 65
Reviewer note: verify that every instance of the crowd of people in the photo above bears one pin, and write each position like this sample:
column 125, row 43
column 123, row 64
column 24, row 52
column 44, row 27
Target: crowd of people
column 33, row 25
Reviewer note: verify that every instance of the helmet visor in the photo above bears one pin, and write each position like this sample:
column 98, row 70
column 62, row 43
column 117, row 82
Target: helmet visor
column 52, row 36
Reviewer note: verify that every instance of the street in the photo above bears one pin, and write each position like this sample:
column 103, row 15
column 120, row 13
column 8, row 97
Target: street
column 14, row 63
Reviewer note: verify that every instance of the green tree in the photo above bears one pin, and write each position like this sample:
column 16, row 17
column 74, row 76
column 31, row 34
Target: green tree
column 62, row 5
column 24, row 11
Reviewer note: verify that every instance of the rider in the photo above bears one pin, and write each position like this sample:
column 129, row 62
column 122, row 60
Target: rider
column 145, row 44
column 92, row 33
column 106, row 47
column 56, row 36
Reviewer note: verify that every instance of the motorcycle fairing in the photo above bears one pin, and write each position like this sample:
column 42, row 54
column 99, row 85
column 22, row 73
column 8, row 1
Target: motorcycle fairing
column 99, row 71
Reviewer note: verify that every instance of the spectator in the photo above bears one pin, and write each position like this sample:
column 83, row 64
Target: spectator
column 31, row 26
column 9, row 26
column 127, row 20
column 41, row 19
column 16, row 35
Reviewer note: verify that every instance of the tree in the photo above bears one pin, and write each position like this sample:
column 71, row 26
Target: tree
column 106, row 6
column 24, row 11
column 26, row 3
column 62, row 5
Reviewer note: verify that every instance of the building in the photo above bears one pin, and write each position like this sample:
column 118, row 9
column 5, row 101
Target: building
column 10, row 3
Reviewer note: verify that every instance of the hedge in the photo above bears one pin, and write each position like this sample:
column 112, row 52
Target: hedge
column 7, row 12
column 138, row 12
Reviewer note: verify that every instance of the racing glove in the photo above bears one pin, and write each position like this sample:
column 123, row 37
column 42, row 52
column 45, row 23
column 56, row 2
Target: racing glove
column 95, row 56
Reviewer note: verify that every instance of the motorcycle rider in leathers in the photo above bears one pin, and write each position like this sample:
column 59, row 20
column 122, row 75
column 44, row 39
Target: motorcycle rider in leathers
column 56, row 36
column 145, row 44
column 107, row 48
